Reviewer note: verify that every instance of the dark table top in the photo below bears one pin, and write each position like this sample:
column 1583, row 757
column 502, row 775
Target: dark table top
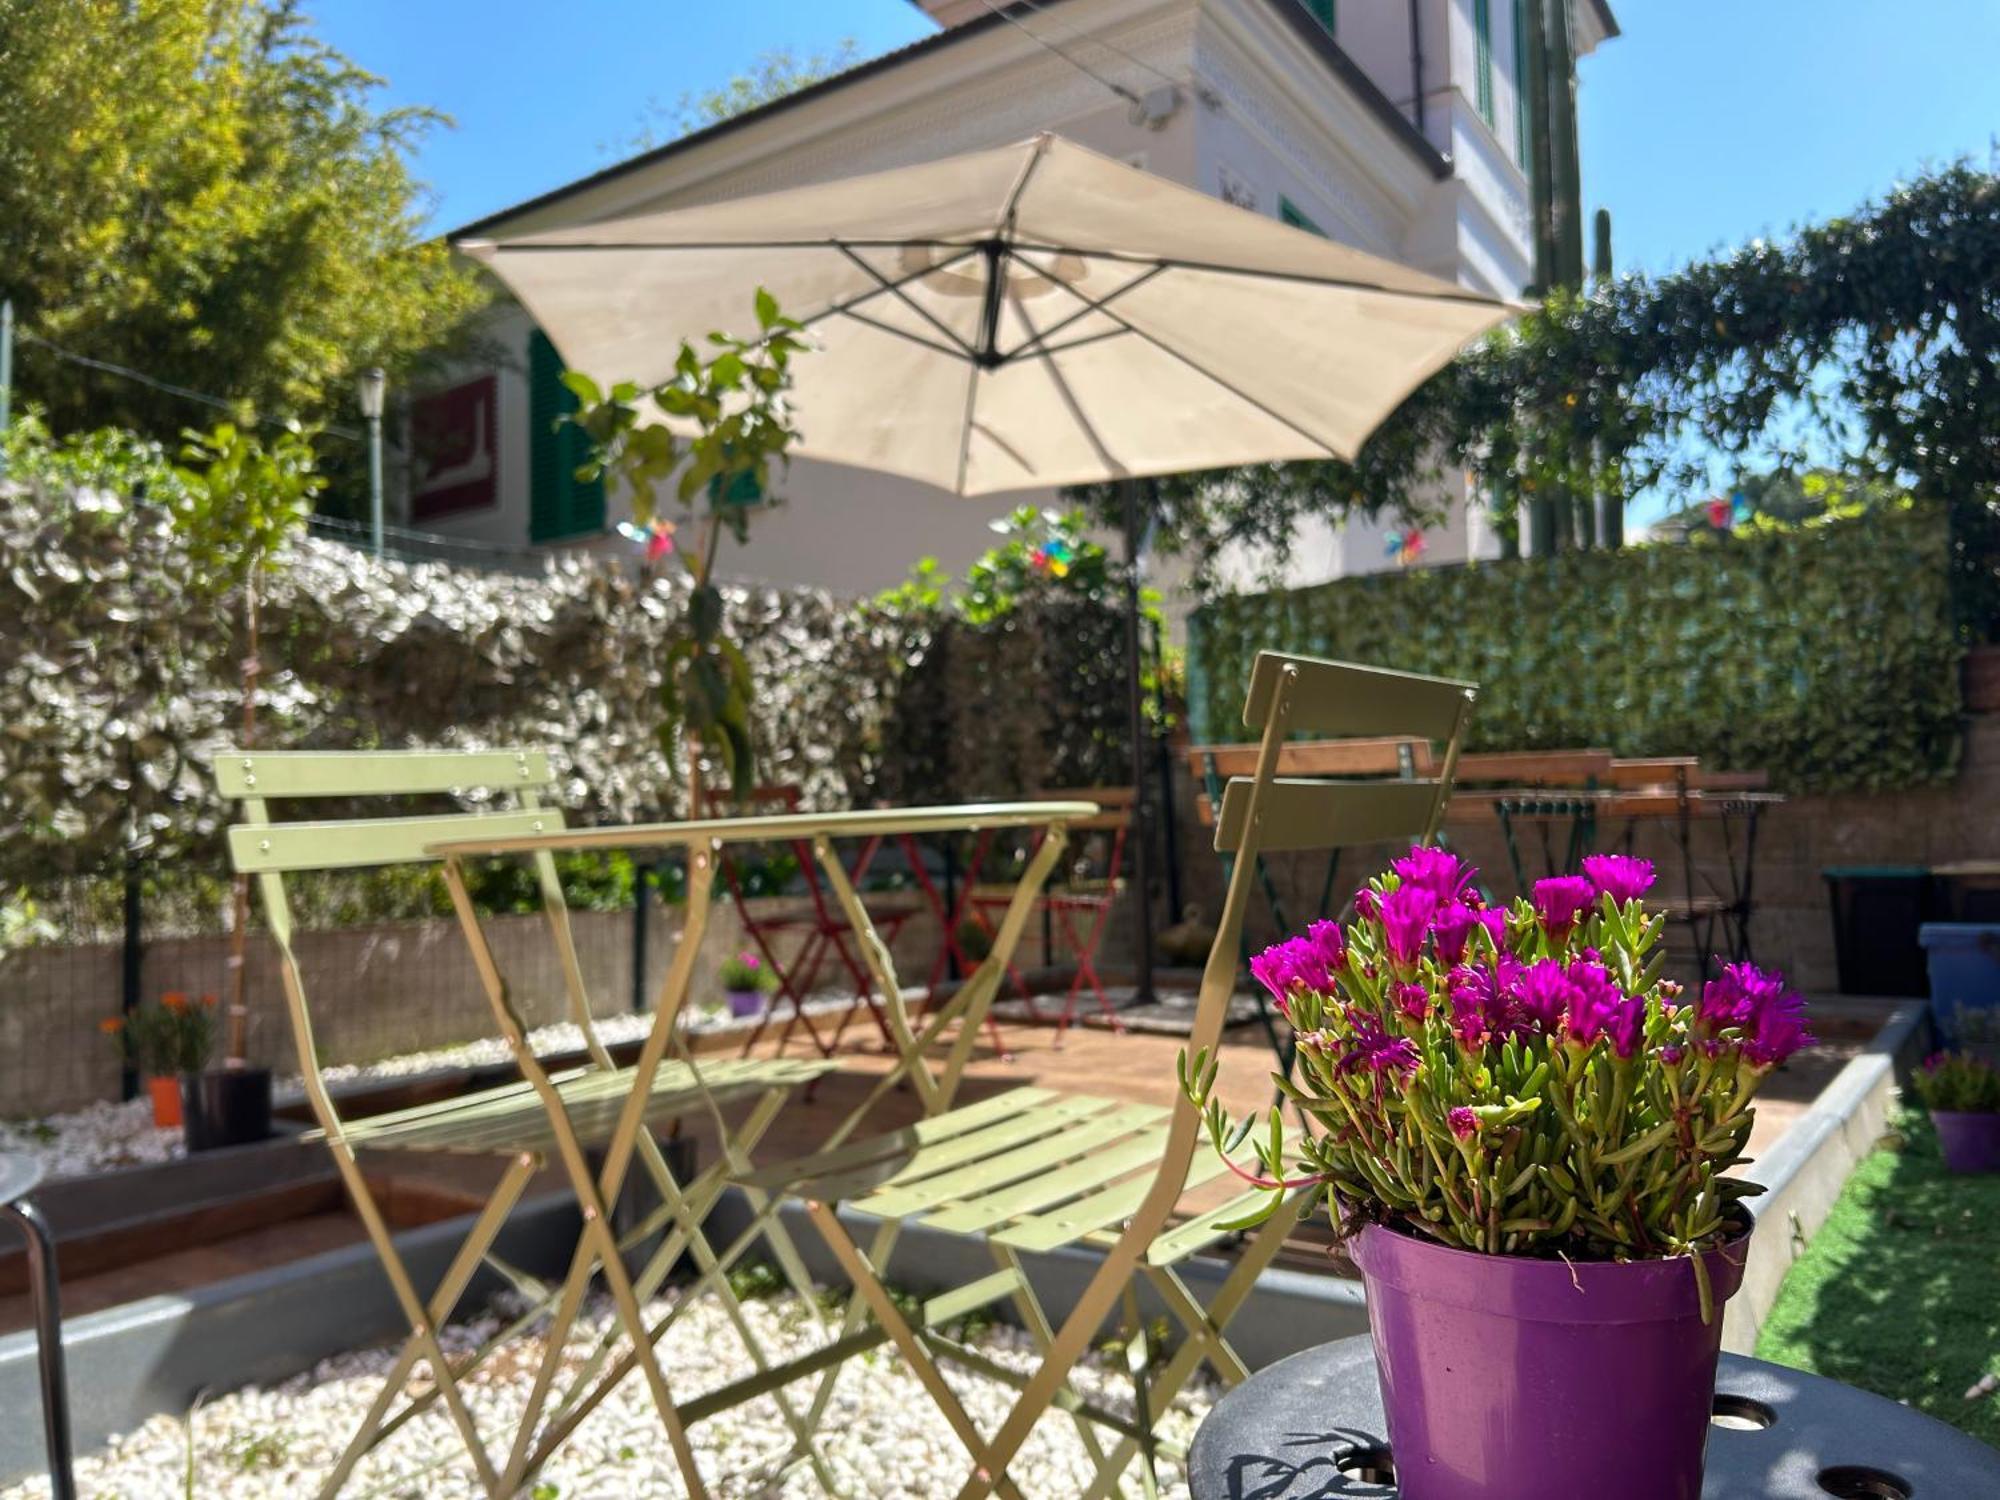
column 18, row 1175
column 1307, row 1428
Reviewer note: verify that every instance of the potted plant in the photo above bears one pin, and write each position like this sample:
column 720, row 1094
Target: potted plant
column 748, row 982
column 241, row 501
column 1523, row 1131
column 1962, row 1094
column 139, row 1039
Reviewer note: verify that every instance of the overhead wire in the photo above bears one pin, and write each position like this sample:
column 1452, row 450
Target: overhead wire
column 187, row 393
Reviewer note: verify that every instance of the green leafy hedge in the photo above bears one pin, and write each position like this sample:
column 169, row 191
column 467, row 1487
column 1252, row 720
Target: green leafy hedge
column 1826, row 656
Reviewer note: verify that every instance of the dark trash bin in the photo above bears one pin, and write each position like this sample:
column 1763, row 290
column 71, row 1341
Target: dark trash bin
column 1968, row 891
column 1877, row 912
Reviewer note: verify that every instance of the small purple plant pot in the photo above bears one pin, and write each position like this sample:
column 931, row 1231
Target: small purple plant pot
column 1971, row 1143
column 746, row 1003
column 1505, row 1378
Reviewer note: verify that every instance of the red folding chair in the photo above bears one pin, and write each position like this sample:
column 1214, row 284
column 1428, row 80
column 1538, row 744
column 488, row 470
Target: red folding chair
column 1078, row 901
column 822, row 932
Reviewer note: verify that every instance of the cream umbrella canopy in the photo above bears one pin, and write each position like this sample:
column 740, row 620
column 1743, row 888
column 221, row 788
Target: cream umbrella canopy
column 1029, row 316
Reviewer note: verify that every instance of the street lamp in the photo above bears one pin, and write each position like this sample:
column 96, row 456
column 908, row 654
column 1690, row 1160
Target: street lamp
column 372, row 387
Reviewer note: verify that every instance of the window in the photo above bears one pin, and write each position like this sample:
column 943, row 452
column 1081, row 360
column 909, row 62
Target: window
column 1288, row 212
column 1482, row 35
column 1521, row 82
column 559, row 504
column 1323, row 12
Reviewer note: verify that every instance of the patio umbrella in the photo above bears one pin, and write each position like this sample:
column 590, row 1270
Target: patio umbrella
column 1028, row 316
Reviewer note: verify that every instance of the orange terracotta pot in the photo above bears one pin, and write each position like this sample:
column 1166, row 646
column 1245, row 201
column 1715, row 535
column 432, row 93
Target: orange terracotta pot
column 166, row 1096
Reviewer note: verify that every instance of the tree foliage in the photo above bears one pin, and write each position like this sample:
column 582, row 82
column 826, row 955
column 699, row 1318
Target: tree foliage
column 204, row 191
column 1871, row 341
column 777, row 72
column 728, row 424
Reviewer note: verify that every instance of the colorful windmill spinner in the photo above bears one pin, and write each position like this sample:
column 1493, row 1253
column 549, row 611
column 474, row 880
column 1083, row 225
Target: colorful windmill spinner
column 655, row 538
column 1405, row 546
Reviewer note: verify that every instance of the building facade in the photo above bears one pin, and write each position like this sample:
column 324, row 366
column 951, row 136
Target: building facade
column 1391, row 125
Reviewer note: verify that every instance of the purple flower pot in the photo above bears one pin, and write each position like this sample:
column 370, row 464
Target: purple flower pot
column 1971, row 1143
column 1505, row 1378
column 746, row 1003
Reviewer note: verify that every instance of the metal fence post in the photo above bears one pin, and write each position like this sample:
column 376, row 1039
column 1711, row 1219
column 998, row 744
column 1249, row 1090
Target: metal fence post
column 642, row 879
column 132, row 963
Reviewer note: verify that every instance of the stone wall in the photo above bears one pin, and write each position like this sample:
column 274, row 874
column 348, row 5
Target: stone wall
column 375, row 991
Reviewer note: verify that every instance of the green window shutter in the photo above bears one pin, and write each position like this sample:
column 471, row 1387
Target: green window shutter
column 1288, row 212
column 1323, row 12
column 559, row 504
column 1482, row 30
column 1521, row 82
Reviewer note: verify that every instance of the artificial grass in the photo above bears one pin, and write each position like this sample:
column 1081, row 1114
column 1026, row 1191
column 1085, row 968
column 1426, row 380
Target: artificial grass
column 1899, row 1292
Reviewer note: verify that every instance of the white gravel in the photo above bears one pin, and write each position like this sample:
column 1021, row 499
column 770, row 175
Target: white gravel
column 105, row 1136
column 97, row 1138
column 882, row 1436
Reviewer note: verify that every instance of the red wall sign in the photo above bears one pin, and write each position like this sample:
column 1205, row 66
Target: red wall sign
column 455, row 443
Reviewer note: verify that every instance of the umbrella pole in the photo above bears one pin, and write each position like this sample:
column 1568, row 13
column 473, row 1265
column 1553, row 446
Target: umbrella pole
column 1139, row 839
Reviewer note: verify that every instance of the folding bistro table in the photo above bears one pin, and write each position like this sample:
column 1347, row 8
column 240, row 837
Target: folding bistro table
column 687, row 1204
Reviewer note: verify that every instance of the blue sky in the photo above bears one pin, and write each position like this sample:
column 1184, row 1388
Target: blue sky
column 1707, row 123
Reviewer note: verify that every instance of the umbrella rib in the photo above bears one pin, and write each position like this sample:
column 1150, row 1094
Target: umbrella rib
column 1089, row 306
column 965, row 427
column 1083, row 422
column 895, row 289
column 1445, row 292
column 1005, row 225
column 1237, row 391
column 902, row 333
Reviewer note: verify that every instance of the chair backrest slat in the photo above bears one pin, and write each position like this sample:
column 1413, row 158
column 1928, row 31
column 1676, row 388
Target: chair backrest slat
column 1326, row 814
column 1394, row 756
column 511, row 781
column 377, row 773
column 359, row 843
column 1339, row 699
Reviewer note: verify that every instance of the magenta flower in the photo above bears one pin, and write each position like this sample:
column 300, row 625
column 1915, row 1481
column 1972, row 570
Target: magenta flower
column 1296, row 962
column 1494, row 920
column 1413, row 1000
column 1374, row 1049
column 1366, row 904
column 1436, row 870
column 1619, row 876
column 1330, row 943
column 1542, row 994
column 1451, row 927
column 1559, row 899
column 1463, row 1122
column 1484, row 1006
column 1406, row 918
column 1767, row 1014
column 1778, row 1031
column 1598, row 1008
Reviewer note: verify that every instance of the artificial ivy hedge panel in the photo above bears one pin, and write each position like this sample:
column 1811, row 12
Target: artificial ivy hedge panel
column 1825, row 656
column 118, row 682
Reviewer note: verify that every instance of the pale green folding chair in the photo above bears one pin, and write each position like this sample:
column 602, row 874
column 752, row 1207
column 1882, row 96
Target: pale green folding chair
column 515, row 1121
column 1035, row 1171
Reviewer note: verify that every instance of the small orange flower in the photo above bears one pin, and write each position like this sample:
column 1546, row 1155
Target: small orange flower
column 209, row 1001
column 174, row 1001
column 111, row 1025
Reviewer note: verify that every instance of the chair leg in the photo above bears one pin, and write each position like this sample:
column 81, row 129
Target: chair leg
column 424, row 1318
column 444, row 1298
column 46, row 1294
column 868, row 1282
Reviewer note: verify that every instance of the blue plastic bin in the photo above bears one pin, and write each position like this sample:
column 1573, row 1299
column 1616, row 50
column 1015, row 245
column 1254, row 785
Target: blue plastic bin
column 1964, row 962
